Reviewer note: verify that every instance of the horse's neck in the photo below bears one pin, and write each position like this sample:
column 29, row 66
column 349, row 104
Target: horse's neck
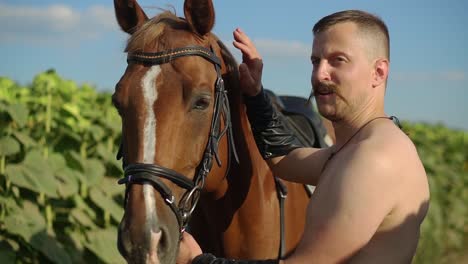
column 235, row 212
column 250, row 183
column 251, row 173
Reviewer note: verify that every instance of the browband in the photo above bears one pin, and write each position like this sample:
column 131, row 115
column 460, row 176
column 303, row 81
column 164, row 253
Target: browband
column 155, row 58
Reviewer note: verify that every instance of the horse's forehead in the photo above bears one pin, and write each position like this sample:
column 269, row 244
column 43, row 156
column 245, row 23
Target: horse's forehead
column 158, row 35
column 161, row 37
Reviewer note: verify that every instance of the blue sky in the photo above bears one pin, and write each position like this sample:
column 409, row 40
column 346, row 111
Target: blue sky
column 81, row 40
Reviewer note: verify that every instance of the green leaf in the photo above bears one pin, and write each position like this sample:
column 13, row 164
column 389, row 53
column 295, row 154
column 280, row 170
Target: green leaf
column 106, row 203
column 97, row 132
column 67, row 179
column 75, row 247
column 81, row 204
column 47, row 244
column 25, row 221
column 7, row 90
column 37, row 167
column 13, row 244
column 112, row 120
column 9, row 146
column 69, row 132
column 78, row 120
column 17, row 175
column 110, row 187
column 72, row 109
column 68, row 183
column 6, row 83
column 93, row 170
column 76, row 159
column 24, row 138
column 45, row 82
column 7, row 256
column 109, row 158
column 34, row 173
column 9, row 203
column 102, row 244
column 19, row 113
column 82, row 217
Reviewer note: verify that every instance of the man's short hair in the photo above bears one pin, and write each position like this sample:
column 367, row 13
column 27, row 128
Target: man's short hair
column 366, row 22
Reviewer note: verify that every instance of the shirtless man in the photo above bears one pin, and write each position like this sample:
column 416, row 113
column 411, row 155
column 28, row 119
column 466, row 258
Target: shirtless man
column 371, row 191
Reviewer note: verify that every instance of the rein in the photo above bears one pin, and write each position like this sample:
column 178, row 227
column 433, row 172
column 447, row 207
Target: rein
column 140, row 173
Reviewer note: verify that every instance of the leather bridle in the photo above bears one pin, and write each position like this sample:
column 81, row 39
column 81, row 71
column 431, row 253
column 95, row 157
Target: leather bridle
column 139, row 173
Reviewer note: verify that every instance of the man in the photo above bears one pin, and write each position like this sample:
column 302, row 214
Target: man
column 371, row 191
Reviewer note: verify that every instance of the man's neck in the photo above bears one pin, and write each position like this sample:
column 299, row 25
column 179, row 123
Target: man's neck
column 347, row 127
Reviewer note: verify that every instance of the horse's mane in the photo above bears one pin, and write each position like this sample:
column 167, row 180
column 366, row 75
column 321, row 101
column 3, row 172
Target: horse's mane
column 229, row 60
column 152, row 29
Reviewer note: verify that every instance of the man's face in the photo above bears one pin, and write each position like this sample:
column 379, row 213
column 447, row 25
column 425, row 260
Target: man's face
column 342, row 71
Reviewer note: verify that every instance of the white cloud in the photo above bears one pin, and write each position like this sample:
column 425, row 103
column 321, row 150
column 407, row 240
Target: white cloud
column 104, row 16
column 53, row 23
column 283, row 48
column 274, row 48
column 453, row 76
column 450, row 76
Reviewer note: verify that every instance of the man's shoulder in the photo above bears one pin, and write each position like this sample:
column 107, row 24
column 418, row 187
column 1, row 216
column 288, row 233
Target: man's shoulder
column 387, row 142
column 385, row 153
column 391, row 154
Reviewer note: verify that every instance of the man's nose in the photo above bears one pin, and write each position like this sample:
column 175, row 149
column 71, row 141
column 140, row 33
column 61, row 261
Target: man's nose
column 321, row 72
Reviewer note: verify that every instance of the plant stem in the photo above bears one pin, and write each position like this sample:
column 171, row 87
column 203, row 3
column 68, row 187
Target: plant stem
column 3, row 170
column 110, row 143
column 48, row 109
column 83, row 151
column 2, row 164
column 49, row 216
column 41, row 199
column 83, row 190
column 106, row 219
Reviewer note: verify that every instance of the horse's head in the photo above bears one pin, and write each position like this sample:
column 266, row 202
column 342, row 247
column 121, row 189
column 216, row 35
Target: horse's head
column 174, row 114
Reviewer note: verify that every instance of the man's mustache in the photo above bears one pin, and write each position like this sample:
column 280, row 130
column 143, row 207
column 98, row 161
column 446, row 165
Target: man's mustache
column 323, row 88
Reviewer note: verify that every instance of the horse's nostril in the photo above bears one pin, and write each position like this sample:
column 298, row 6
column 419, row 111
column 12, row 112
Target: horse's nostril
column 124, row 243
column 163, row 245
column 163, row 240
column 167, row 245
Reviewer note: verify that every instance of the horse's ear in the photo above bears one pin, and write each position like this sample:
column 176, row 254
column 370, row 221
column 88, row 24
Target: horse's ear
column 200, row 15
column 129, row 15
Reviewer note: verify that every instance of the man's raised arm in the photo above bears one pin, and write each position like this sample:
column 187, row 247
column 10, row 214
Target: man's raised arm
column 286, row 156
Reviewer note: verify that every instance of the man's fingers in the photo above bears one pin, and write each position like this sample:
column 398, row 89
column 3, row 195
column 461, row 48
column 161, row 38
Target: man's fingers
column 247, row 52
column 240, row 36
column 245, row 45
column 250, row 71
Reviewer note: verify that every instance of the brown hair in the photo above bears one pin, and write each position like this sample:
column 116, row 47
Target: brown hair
column 366, row 22
column 153, row 29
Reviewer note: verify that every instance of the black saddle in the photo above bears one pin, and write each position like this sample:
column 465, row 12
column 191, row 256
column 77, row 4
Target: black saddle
column 300, row 117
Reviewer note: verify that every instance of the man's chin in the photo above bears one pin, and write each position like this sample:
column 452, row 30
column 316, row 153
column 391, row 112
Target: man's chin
column 329, row 115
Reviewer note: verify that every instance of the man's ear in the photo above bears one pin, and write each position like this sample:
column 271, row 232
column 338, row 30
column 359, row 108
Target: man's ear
column 130, row 15
column 381, row 67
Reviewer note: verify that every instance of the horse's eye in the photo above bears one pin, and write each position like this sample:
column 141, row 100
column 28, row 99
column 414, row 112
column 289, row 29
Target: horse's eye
column 201, row 103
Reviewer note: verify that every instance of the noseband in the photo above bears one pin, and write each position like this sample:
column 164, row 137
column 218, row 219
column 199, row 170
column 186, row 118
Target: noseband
column 139, row 173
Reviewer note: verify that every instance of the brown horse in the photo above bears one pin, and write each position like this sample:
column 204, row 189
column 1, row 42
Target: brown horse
column 182, row 111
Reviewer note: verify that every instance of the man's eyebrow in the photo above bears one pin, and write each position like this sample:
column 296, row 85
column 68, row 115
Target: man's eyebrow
column 332, row 54
column 338, row 53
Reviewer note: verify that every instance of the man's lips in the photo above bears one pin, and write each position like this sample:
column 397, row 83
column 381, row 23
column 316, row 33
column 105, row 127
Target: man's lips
column 317, row 93
column 323, row 89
